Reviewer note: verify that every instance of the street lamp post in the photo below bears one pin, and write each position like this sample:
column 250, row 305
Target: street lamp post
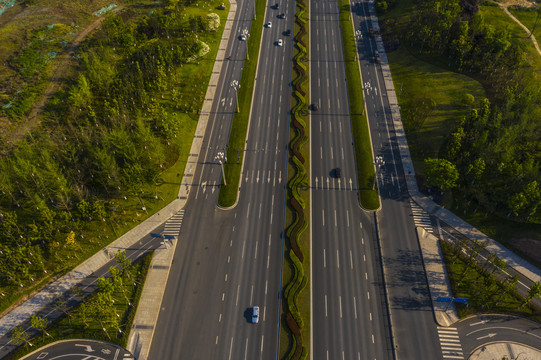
column 236, row 86
column 247, row 35
column 378, row 162
column 222, row 158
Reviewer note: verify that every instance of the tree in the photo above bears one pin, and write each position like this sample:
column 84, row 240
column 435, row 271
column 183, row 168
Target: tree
column 39, row 324
column 441, row 173
column 533, row 292
column 20, row 336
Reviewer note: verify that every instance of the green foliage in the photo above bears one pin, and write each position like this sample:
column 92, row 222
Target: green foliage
column 440, row 173
column 111, row 133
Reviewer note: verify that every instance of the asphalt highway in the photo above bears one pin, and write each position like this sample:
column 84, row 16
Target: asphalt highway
column 349, row 312
column 228, row 261
column 414, row 328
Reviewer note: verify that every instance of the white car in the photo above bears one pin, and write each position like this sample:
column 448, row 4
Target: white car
column 269, row 24
column 280, row 42
column 255, row 314
column 242, row 37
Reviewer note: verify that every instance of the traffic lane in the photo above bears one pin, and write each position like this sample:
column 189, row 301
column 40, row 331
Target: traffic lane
column 345, row 290
column 406, row 283
column 81, row 349
column 482, row 329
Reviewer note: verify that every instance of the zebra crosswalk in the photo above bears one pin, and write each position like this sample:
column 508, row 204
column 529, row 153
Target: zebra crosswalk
column 450, row 343
column 172, row 226
column 421, row 217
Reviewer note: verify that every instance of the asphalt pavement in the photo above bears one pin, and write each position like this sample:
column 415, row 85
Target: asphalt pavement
column 349, row 312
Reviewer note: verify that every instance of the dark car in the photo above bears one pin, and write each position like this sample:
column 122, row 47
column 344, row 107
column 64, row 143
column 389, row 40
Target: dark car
column 287, row 32
column 315, row 107
column 276, row 6
column 282, row 16
column 337, row 173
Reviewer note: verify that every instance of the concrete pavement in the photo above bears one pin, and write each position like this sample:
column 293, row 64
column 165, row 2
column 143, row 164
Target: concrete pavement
column 508, row 351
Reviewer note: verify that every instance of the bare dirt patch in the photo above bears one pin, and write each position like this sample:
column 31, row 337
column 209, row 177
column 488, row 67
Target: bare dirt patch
column 524, row 3
column 529, row 247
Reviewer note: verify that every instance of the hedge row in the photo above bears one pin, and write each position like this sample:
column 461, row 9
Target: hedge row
column 299, row 224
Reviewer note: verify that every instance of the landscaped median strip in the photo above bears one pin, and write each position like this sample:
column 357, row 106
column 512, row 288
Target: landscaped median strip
column 293, row 319
column 364, row 157
column 239, row 127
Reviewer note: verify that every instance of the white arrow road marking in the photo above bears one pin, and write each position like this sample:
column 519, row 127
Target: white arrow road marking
column 487, row 336
column 280, row 178
column 316, row 182
column 204, row 186
column 350, row 184
column 479, row 323
column 257, row 178
column 88, row 348
column 327, row 183
column 223, row 102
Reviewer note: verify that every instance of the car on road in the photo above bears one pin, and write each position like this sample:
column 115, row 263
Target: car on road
column 280, row 42
column 269, row 24
column 242, row 37
column 315, row 107
column 337, row 173
column 276, row 6
column 287, row 32
column 282, row 16
column 255, row 314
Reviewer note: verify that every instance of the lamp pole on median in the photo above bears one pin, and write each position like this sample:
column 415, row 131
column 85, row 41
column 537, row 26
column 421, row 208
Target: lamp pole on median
column 236, row 86
column 221, row 160
column 378, row 162
column 247, row 35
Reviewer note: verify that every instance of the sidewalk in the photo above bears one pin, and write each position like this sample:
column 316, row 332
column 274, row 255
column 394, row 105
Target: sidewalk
column 513, row 261
column 153, row 290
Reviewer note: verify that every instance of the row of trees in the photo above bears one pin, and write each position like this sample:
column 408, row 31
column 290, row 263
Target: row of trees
column 496, row 284
column 493, row 156
column 104, row 312
column 106, row 136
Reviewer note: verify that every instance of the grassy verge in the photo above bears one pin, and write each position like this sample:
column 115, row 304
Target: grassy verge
column 446, row 91
column 527, row 17
column 479, row 285
column 78, row 326
column 239, row 128
column 361, row 134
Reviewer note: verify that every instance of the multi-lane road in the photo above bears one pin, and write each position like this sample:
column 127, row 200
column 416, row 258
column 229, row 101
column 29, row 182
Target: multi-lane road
column 350, row 320
column 228, row 261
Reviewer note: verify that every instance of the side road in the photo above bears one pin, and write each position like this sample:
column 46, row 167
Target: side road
column 153, row 289
column 445, row 315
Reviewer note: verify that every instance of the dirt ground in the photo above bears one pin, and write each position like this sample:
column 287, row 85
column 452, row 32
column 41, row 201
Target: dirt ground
column 524, row 3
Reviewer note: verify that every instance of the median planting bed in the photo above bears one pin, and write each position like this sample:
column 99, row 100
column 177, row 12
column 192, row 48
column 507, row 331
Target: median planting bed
column 368, row 197
column 239, row 127
column 296, row 309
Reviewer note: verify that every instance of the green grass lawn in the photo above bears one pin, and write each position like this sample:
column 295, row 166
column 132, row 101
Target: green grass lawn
column 496, row 17
column 415, row 79
column 359, row 124
column 239, row 128
column 527, row 17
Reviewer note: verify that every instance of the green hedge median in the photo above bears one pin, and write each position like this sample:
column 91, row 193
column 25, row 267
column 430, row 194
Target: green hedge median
column 361, row 134
column 239, row 128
